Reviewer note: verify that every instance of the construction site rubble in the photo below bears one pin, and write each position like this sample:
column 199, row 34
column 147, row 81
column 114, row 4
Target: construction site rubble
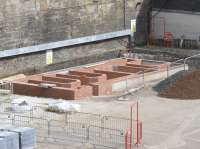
column 63, row 107
column 186, row 87
column 20, row 105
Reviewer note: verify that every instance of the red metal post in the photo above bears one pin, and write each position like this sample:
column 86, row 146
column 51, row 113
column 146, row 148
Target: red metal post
column 141, row 133
column 129, row 138
column 137, row 121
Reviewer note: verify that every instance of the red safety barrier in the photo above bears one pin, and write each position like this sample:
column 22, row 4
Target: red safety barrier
column 136, row 135
column 140, row 141
column 128, row 139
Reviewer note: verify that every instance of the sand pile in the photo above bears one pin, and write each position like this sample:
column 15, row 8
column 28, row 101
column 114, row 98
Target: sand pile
column 186, row 87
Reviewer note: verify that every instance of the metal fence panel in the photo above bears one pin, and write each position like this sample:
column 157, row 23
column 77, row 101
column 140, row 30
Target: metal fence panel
column 70, row 131
column 107, row 137
column 5, row 85
column 84, row 118
column 98, row 130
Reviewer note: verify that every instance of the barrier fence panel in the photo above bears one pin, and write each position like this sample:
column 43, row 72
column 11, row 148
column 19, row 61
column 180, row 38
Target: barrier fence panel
column 6, row 119
column 84, row 118
column 110, row 122
column 71, row 131
column 115, row 122
column 12, row 108
column 42, row 112
column 5, row 85
column 96, row 129
column 5, row 107
column 21, row 121
column 107, row 137
column 41, row 125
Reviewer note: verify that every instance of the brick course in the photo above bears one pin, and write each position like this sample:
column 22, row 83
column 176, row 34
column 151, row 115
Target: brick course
column 79, row 84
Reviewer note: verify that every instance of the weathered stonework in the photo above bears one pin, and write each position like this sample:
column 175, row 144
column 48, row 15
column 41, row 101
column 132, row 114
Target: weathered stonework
column 62, row 58
column 30, row 22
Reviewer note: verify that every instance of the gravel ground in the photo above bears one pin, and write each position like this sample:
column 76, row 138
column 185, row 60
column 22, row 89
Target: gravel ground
column 167, row 124
column 165, row 84
column 183, row 85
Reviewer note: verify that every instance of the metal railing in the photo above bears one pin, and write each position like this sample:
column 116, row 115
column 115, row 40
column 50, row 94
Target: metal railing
column 6, row 86
column 175, row 43
column 186, row 59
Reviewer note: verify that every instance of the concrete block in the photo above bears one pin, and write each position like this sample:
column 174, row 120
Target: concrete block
column 27, row 137
column 11, row 139
column 3, row 143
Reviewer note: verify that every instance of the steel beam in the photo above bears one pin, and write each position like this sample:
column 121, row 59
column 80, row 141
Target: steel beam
column 64, row 43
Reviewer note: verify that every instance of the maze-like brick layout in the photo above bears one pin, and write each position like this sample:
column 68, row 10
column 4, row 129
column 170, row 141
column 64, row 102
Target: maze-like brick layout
column 100, row 79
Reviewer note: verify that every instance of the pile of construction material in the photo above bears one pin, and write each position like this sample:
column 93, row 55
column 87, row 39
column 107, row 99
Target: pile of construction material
column 166, row 83
column 20, row 105
column 17, row 138
column 183, row 86
column 61, row 106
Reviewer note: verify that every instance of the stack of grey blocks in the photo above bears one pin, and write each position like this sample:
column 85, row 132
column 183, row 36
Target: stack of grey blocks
column 17, row 138
column 2, row 143
column 10, row 140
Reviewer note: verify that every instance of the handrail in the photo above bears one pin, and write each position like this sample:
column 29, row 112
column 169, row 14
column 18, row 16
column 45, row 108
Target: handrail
column 185, row 60
column 190, row 58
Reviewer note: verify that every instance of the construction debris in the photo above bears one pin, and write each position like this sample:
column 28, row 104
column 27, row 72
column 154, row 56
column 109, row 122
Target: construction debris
column 20, row 105
column 187, row 87
column 63, row 107
column 164, row 84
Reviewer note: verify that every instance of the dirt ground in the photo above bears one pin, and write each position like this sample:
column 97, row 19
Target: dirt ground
column 187, row 87
column 167, row 123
